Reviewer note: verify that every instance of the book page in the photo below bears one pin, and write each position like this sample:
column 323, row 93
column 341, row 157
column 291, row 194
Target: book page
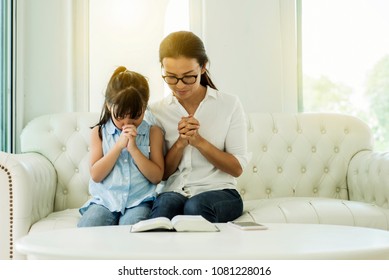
column 152, row 224
column 192, row 223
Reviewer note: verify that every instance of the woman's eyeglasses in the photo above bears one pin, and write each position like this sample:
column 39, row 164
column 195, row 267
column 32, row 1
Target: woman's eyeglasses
column 173, row 80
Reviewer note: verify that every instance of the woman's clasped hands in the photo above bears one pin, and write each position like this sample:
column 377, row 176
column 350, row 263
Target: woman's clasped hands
column 188, row 129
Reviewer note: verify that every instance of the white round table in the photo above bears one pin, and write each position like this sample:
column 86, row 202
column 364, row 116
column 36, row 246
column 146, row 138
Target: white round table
column 278, row 242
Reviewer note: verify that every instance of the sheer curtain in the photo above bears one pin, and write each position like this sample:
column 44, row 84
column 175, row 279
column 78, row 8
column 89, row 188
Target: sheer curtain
column 121, row 34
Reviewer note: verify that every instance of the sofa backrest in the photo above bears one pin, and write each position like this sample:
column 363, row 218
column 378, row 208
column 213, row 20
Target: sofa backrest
column 291, row 154
column 304, row 155
column 64, row 139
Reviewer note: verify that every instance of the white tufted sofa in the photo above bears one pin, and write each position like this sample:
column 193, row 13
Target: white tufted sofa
column 304, row 168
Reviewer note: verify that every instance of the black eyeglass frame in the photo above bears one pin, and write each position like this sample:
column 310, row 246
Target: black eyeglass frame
column 180, row 79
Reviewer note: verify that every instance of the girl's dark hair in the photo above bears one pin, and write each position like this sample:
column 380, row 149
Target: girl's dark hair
column 187, row 44
column 127, row 94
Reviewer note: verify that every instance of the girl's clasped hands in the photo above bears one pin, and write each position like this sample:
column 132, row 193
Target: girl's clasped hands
column 128, row 136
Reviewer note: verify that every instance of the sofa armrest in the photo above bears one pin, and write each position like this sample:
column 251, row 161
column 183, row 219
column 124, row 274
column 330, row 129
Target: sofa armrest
column 27, row 189
column 368, row 178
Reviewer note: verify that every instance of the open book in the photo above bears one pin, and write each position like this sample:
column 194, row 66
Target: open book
column 178, row 223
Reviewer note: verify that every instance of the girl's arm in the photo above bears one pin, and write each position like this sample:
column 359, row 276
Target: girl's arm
column 100, row 165
column 152, row 168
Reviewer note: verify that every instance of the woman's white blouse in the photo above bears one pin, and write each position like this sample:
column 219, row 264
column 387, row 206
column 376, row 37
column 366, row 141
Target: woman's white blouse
column 222, row 123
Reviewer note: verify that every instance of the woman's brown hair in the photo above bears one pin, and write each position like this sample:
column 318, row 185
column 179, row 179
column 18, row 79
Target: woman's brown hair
column 187, row 44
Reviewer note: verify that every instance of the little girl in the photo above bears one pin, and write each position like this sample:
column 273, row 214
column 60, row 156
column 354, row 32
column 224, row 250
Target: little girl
column 126, row 159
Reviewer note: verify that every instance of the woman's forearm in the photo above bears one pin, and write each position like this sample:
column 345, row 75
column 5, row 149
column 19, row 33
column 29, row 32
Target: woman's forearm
column 223, row 161
column 173, row 158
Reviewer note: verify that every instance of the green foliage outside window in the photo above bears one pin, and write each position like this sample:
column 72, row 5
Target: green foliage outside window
column 322, row 94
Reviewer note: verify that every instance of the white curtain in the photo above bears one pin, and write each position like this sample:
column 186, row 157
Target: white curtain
column 128, row 33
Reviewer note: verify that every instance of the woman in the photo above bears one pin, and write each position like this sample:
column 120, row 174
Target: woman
column 205, row 134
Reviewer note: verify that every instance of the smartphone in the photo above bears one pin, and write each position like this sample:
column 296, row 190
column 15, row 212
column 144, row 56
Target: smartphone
column 247, row 225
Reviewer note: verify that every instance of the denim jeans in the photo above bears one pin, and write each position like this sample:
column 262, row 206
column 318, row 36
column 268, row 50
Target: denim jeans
column 98, row 215
column 216, row 206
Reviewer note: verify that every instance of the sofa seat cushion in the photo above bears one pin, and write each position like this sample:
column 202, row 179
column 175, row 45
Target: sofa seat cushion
column 57, row 220
column 316, row 210
column 306, row 210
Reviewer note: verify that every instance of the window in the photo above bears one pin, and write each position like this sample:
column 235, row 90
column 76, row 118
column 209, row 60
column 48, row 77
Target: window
column 345, row 60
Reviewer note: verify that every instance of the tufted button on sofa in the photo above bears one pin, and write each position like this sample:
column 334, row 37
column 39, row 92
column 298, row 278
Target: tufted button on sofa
column 304, row 168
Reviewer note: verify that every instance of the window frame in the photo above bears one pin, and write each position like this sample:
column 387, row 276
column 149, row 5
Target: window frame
column 7, row 101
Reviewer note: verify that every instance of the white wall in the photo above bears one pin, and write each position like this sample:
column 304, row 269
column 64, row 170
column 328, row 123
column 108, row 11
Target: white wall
column 66, row 52
column 252, row 51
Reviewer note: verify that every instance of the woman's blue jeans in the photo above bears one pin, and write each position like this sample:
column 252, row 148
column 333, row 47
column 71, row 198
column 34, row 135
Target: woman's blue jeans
column 218, row 206
column 98, row 215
